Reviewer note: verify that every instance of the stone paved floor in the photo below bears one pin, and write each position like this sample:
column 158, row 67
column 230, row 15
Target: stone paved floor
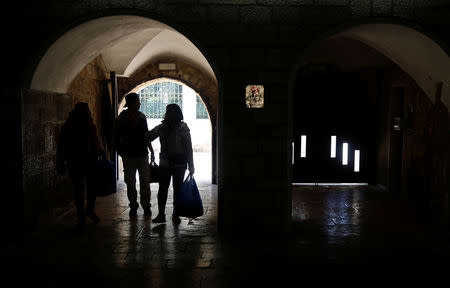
column 355, row 236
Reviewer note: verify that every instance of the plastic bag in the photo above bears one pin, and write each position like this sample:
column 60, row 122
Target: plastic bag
column 104, row 180
column 189, row 203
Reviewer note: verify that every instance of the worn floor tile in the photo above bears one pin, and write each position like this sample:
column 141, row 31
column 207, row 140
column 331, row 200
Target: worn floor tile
column 331, row 226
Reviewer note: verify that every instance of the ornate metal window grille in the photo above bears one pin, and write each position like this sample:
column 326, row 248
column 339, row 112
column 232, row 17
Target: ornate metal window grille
column 155, row 97
column 201, row 111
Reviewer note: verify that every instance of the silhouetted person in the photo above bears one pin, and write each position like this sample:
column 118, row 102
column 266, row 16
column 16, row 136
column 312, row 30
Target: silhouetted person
column 176, row 155
column 78, row 150
column 128, row 140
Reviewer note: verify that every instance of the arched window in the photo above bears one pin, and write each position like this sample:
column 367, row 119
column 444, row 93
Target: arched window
column 155, row 97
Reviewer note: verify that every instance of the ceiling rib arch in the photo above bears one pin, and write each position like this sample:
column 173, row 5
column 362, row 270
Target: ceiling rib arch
column 418, row 55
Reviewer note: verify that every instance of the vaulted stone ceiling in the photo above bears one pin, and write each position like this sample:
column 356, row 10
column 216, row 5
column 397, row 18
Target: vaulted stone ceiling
column 418, row 55
column 126, row 43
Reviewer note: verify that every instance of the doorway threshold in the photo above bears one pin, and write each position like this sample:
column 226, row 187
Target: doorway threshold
column 330, row 184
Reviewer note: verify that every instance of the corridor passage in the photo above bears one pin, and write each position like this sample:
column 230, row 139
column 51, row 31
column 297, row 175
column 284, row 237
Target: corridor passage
column 355, row 236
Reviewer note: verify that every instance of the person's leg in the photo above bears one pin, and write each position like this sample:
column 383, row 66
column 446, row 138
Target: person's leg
column 144, row 183
column 178, row 177
column 129, row 171
column 78, row 189
column 164, row 181
column 177, row 181
column 91, row 197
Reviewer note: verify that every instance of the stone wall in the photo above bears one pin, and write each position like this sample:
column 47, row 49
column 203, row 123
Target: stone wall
column 44, row 190
column 246, row 42
column 92, row 86
column 426, row 148
column 47, row 194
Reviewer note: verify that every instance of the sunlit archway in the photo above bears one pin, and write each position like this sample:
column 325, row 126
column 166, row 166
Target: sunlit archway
column 155, row 95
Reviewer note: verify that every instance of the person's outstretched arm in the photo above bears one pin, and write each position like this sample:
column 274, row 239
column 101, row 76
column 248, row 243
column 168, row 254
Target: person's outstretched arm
column 189, row 152
column 152, row 134
column 152, row 152
column 149, row 143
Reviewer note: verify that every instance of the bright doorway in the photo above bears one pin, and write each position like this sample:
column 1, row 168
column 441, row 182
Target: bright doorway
column 155, row 95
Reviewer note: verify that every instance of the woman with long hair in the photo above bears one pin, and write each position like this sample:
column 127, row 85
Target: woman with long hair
column 176, row 155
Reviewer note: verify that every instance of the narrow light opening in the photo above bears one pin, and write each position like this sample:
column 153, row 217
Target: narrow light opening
column 356, row 168
column 293, row 153
column 333, row 147
column 303, row 146
column 344, row 153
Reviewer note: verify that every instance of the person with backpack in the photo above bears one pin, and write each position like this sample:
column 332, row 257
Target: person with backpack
column 176, row 155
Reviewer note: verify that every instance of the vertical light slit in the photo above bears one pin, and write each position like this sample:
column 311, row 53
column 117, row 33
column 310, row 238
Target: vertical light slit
column 344, row 153
column 293, row 153
column 333, row 147
column 356, row 166
column 303, row 146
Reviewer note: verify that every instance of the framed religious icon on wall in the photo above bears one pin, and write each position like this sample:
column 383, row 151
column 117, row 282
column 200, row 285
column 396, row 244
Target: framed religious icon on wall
column 254, row 96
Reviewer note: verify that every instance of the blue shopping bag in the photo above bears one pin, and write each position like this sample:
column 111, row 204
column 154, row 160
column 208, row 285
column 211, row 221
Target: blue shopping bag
column 189, row 203
column 104, row 181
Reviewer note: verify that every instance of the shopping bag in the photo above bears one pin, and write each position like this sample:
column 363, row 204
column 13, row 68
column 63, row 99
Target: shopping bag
column 104, row 177
column 154, row 172
column 189, row 203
